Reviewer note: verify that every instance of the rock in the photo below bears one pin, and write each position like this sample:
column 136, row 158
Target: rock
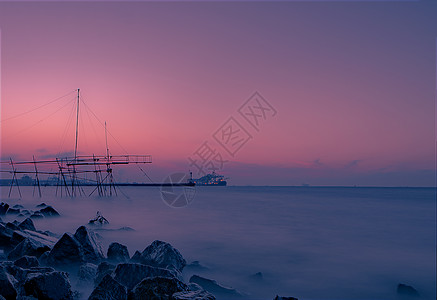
column 130, row 275
column 27, row 224
column 92, row 251
column 7, row 289
column 42, row 205
column 54, row 285
column 38, row 238
column 5, row 236
column 18, row 206
column 193, row 295
column 43, row 258
column 3, row 208
column 136, row 258
column 37, row 215
column 98, row 220
column 28, row 247
column 117, row 253
column 157, row 288
column 49, row 211
column 27, row 262
column 284, row 298
column 12, row 226
column 213, row 287
column 163, row 255
column 13, row 211
column 407, row 290
column 86, row 274
column 109, row 289
column 103, row 269
column 67, row 251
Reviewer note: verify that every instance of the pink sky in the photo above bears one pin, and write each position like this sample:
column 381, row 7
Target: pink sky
column 353, row 85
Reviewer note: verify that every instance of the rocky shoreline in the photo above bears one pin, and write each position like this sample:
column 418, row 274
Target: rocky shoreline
column 40, row 265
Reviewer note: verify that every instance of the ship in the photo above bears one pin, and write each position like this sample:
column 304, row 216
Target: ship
column 212, row 179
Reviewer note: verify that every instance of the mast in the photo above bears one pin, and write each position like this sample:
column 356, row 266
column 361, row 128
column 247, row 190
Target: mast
column 77, row 125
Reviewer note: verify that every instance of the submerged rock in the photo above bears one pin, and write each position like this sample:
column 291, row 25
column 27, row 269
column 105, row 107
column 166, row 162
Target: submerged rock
column 37, row 215
column 98, row 220
column 118, row 253
column 42, row 205
column 195, row 266
column 213, row 287
column 86, row 274
column 130, row 274
column 407, row 290
column 109, row 288
column 7, row 289
column 157, row 288
column 53, row 285
column 13, row 211
column 257, row 277
column 163, row 255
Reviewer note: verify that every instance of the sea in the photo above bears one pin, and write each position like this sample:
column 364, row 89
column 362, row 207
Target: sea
column 305, row 242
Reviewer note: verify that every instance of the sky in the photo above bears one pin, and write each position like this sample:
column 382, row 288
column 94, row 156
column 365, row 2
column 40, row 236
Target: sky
column 279, row 93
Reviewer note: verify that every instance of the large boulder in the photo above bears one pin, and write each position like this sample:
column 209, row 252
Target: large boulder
column 213, row 287
column 157, row 288
column 163, row 255
column 28, row 247
column 92, row 251
column 109, row 289
column 27, row 224
column 67, row 251
column 49, row 211
column 103, row 269
column 27, row 262
column 130, row 275
column 7, row 289
column 53, row 285
column 118, row 253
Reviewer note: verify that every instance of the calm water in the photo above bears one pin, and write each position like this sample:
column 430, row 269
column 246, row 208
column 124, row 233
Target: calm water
column 310, row 243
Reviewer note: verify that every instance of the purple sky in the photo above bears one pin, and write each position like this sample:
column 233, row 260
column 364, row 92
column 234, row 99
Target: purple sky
column 352, row 83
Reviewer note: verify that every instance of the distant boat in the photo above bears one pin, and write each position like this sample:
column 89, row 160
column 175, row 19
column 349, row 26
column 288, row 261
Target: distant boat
column 212, row 179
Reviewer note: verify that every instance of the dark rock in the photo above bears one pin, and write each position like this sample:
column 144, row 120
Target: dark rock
column 49, row 211
column 118, row 253
column 103, row 269
column 18, row 206
column 163, row 255
column 136, row 258
column 42, row 205
column 53, row 285
column 213, row 287
column 157, row 288
column 86, row 274
column 27, row 262
column 284, row 298
column 28, row 247
column 3, row 208
column 67, row 251
column 407, row 290
column 109, row 289
column 92, row 251
column 13, row 211
column 39, row 238
column 12, row 226
column 130, row 275
column 43, row 258
column 98, row 220
column 37, row 215
column 7, row 289
column 5, row 236
column 27, row 224
column 193, row 295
